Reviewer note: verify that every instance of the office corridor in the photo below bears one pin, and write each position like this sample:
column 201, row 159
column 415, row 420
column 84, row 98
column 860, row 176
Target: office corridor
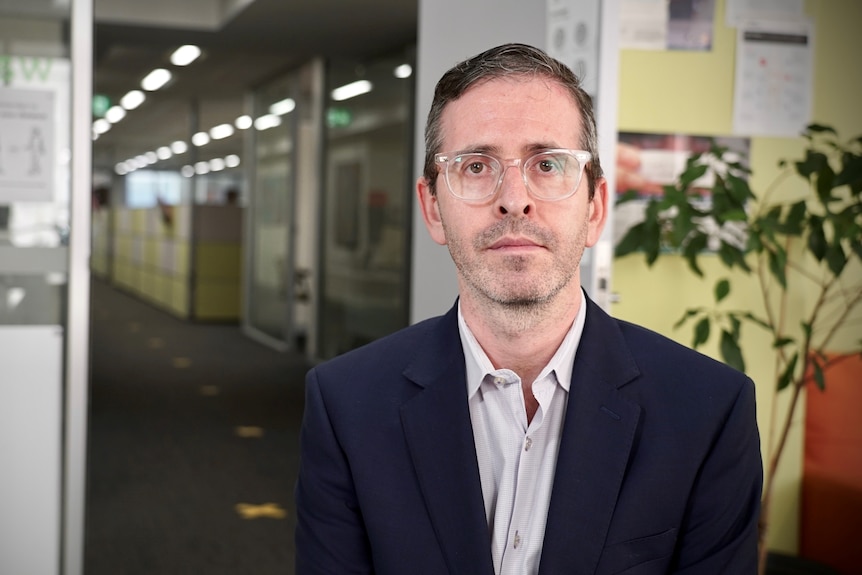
column 192, row 448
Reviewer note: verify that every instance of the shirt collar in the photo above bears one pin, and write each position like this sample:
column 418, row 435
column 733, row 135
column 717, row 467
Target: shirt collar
column 478, row 365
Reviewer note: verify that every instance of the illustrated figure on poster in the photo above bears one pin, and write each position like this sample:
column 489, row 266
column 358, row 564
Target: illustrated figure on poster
column 36, row 147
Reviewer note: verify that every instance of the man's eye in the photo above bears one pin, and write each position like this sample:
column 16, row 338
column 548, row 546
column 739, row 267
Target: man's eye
column 476, row 167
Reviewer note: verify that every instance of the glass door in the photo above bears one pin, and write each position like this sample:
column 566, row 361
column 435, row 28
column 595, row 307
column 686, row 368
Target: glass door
column 45, row 71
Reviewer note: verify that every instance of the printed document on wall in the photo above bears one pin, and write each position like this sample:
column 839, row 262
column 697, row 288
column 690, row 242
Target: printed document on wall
column 573, row 38
column 772, row 93
column 26, row 145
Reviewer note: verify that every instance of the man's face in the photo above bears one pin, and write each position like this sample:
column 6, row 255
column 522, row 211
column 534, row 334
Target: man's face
column 513, row 249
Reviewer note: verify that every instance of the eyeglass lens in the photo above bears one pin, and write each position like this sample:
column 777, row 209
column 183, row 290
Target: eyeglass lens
column 549, row 175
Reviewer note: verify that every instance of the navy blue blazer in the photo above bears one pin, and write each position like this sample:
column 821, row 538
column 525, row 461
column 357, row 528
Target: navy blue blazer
column 659, row 468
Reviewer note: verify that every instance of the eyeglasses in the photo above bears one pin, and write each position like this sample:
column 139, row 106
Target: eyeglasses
column 549, row 175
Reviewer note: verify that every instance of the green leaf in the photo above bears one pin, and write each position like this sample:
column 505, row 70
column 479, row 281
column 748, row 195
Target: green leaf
column 825, row 177
column 739, row 189
column 835, row 258
column 793, row 222
column 686, row 316
column 811, row 165
column 628, row 196
column 691, row 174
column 817, row 128
column 787, row 374
column 731, row 352
column 816, row 238
column 632, row 240
column 818, row 375
column 701, row 332
column 778, row 265
column 782, row 341
column 692, row 249
column 806, row 329
column 722, row 289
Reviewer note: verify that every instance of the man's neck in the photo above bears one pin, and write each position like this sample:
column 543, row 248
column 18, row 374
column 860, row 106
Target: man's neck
column 521, row 338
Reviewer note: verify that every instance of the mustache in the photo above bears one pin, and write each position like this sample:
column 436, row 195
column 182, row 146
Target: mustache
column 513, row 227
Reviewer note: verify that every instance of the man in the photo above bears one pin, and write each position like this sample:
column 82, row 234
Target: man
column 525, row 431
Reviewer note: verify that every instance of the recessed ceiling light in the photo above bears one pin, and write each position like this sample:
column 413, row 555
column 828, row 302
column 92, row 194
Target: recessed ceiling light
column 283, row 107
column 132, row 99
column 179, row 147
column 156, row 79
column 185, row 55
column 403, row 71
column 115, row 114
column 231, row 161
column 221, row 131
column 244, row 122
column 267, row 121
column 164, row 153
column 351, row 90
column 101, row 126
column 201, row 139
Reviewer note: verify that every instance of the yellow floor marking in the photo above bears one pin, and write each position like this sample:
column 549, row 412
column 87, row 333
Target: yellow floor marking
column 156, row 342
column 182, row 362
column 209, row 390
column 266, row 510
column 247, row 431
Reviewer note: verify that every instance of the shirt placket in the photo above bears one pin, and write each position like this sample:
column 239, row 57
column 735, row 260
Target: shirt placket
column 518, row 543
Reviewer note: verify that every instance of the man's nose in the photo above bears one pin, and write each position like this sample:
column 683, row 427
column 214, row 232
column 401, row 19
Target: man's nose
column 514, row 198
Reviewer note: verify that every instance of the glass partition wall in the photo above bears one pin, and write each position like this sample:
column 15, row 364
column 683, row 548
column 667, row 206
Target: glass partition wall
column 367, row 202
column 45, row 198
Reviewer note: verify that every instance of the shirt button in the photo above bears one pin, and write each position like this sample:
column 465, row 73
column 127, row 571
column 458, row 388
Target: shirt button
column 499, row 380
column 516, row 541
column 528, row 443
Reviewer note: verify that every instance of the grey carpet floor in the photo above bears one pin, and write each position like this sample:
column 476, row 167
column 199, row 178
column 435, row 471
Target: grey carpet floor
column 192, row 445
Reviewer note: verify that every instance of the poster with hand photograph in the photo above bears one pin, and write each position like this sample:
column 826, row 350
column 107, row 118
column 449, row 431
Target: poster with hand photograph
column 646, row 162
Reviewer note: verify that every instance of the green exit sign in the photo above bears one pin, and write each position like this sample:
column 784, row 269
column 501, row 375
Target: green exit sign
column 101, row 103
column 338, row 117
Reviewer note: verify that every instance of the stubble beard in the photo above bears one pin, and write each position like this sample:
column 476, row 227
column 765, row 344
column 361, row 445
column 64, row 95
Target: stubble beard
column 508, row 291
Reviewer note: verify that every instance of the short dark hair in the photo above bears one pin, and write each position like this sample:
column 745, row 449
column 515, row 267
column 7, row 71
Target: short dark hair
column 509, row 60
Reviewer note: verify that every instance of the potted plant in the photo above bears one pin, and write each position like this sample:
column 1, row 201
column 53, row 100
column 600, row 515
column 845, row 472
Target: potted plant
column 802, row 245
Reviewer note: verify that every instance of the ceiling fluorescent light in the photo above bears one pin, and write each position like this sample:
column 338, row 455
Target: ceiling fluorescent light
column 101, row 126
column 231, row 161
column 243, row 122
column 283, row 107
column 351, row 90
column 132, row 99
column 156, row 79
column 164, row 153
column 201, row 139
column 221, row 131
column 115, row 114
column 185, row 55
column 267, row 121
column 403, row 71
column 217, row 164
column 179, row 147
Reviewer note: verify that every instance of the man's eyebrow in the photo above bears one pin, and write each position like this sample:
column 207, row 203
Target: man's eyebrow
column 495, row 150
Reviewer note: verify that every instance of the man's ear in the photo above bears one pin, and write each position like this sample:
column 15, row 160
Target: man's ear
column 598, row 212
column 430, row 207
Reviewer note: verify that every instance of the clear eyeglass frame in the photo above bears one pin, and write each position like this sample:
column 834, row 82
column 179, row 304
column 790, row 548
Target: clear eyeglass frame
column 445, row 159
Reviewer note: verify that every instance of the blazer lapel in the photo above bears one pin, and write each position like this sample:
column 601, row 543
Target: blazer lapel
column 439, row 436
column 597, row 438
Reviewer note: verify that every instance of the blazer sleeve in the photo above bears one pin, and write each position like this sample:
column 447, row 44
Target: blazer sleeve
column 721, row 524
column 330, row 535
